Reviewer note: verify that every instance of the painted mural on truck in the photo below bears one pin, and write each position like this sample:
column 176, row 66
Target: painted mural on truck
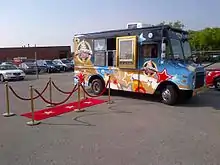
column 145, row 77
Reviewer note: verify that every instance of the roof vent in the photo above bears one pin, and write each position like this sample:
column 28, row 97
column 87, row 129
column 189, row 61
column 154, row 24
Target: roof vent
column 137, row 25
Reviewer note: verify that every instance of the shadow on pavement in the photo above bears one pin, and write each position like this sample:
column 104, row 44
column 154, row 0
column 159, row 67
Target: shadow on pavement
column 210, row 98
column 84, row 123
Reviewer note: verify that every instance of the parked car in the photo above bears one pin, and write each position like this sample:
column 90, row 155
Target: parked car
column 52, row 67
column 10, row 72
column 7, row 63
column 29, row 67
column 65, row 64
column 213, row 78
column 41, row 65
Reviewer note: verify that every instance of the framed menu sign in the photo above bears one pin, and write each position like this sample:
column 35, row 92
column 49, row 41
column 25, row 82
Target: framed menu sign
column 126, row 52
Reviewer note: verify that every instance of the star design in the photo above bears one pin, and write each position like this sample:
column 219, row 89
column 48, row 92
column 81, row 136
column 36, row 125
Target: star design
column 48, row 112
column 81, row 77
column 163, row 76
column 87, row 102
column 128, row 87
column 141, row 38
column 69, row 107
column 115, row 81
column 127, row 78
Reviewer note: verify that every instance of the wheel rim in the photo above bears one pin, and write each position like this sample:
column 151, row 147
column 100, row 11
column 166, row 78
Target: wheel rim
column 218, row 84
column 96, row 87
column 166, row 95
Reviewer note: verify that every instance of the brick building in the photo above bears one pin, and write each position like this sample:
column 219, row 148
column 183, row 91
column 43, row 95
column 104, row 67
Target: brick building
column 49, row 52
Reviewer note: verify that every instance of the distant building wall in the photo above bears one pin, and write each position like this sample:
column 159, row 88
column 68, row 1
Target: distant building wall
column 29, row 52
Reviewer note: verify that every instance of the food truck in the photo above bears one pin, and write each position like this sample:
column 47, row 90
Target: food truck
column 150, row 59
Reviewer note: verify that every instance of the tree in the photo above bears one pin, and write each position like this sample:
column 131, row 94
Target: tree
column 177, row 24
column 205, row 39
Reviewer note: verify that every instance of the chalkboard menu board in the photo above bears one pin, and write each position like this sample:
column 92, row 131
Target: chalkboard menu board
column 100, row 58
column 127, row 52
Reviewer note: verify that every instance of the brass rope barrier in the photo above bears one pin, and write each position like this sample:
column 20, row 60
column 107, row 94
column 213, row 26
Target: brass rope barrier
column 32, row 122
column 79, row 99
column 7, row 113
column 109, row 91
column 50, row 93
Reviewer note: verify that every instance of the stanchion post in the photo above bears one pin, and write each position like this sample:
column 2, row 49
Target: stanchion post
column 109, row 91
column 32, row 122
column 84, row 93
column 79, row 100
column 7, row 113
column 50, row 93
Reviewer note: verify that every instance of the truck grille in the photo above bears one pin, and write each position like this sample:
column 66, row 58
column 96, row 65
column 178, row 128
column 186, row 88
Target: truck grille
column 200, row 78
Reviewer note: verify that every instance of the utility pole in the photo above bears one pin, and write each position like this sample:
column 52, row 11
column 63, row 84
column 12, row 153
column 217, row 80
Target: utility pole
column 35, row 56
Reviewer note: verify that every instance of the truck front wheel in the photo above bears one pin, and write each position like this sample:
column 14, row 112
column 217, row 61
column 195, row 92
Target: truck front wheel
column 217, row 83
column 169, row 95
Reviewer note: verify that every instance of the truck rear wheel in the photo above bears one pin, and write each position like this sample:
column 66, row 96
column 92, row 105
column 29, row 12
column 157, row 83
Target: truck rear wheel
column 169, row 95
column 97, row 86
column 217, row 83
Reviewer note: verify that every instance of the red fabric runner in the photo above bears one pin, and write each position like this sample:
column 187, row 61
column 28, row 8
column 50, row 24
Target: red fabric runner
column 65, row 108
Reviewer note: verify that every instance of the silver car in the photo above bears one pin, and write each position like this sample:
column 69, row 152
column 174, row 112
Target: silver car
column 10, row 72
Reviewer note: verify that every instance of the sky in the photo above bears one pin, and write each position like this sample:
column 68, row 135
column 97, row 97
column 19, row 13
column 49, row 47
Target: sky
column 54, row 22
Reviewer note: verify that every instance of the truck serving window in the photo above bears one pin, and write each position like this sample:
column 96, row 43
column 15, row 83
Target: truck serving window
column 126, row 52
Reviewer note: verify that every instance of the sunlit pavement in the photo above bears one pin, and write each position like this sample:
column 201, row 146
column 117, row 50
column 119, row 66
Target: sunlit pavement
column 132, row 131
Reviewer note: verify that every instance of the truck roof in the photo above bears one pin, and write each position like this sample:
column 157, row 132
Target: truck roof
column 119, row 32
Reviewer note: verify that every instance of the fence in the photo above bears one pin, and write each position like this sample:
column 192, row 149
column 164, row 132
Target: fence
column 39, row 94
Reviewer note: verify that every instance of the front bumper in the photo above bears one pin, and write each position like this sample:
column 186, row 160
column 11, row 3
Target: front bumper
column 12, row 77
column 200, row 90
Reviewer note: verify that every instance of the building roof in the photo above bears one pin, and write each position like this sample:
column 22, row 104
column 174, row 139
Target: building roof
column 33, row 47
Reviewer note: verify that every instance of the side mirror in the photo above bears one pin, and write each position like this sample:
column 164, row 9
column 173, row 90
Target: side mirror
column 163, row 50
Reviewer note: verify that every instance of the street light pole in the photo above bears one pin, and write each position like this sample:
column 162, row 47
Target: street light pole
column 35, row 55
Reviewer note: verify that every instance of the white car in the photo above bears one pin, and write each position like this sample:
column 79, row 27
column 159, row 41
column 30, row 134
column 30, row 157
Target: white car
column 10, row 72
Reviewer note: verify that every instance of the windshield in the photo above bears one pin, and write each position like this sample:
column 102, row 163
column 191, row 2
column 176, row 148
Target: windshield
column 49, row 62
column 186, row 49
column 65, row 61
column 177, row 49
column 180, row 45
column 8, row 67
column 29, row 64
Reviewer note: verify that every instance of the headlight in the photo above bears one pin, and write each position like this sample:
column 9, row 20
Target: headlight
column 209, row 73
column 8, row 73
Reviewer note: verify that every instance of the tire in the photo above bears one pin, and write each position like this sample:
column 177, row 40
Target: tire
column 2, row 79
column 169, row 95
column 97, row 86
column 217, row 83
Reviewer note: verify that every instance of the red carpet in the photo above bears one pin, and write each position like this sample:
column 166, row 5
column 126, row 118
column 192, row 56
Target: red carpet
column 58, row 110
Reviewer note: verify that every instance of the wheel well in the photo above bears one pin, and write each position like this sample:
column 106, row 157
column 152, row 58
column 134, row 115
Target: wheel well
column 217, row 77
column 93, row 77
column 164, row 84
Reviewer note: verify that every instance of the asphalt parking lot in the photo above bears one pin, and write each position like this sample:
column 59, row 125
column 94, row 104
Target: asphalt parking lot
column 135, row 130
